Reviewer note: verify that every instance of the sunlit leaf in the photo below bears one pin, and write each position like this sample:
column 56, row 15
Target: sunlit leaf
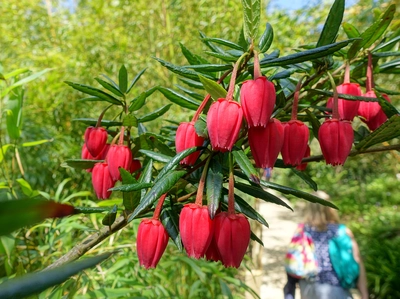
column 350, row 30
column 80, row 163
column 214, row 183
column 155, row 114
column 246, row 166
column 266, row 39
column 123, row 79
column 109, row 87
column 137, row 77
column 94, row 92
column 179, row 99
column 223, row 42
column 132, row 187
column 34, row 143
column 213, row 88
column 251, row 14
column 332, row 24
column 156, row 156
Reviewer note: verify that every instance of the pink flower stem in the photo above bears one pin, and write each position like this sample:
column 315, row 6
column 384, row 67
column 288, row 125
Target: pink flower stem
column 158, row 208
column 121, row 136
column 257, row 70
column 370, row 79
column 98, row 124
column 347, row 73
column 231, row 188
column 200, row 189
column 335, row 108
column 231, row 89
column 296, row 99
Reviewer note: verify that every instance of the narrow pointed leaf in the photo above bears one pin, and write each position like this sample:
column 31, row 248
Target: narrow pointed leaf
column 191, row 93
column 192, row 58
column 212, row 47
column 93, row 121
column 179, row 99
column 389, row 43
column 223, row 56
column 23, row 81
column 214, row 183
column 246, row 166
column 306, row 178
column 209, row 67
column 94, row 92
column 111, row 81
column 350, row 30
column 314, row 123
column 137, row 77
column 123, row 79
column 109, row 87
column 160, row 187
column 387, row 107
column 213, row 88
column 90, row 210
column 80, row 163
column 155, row 114
column 266, row 39
column 332, row 24
column 34, row 143
column 251, row 16
column 140, row 100
column 184, row 72
column 223, row 42
column 109, row 218
column 132, row 187
column 170, row 219
column 254, row 237
column 156, row 156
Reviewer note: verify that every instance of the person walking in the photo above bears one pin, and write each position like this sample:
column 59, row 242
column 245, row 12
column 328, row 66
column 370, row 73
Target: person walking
column 322, row 224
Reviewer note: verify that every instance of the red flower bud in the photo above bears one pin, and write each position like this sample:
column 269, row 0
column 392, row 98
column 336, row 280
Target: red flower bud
column 186, row 137
column 118, row 156
column 232, row 236
column 212, row 253
column 102, row 181
column 347, row 108
column 135, row 166
column 196, row 229
column 295, row 142
column 152, row 239
column 266, row 143
column 375, row 122
column 95, row 140
column 336, row 138
column 224, row 119
column 258, row 100
column 368, row 110
column 303, row 166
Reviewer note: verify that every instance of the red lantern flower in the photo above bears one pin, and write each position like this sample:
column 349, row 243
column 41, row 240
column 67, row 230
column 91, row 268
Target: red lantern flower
column 135, row 166
column 266, row 143
column 102, row 180
column 372, row 118
column 118, row 156
column 212, row 253
column 152, row 239
column 258, row 100
column 336, row 138
column 303, row 166
column 347, row 109
column 295, row 142
column 95, row 140
column 232, row 236
column 186, row 137
column 224, row 120
column 196, row 229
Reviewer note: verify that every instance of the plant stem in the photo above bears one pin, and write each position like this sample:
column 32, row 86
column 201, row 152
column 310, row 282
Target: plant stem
column 121, row 136
column 98, row 124
column 200, row 189
column 158, row 208
column 296, row 99
column 335, row 108
column 257, row 71
column 347, row 73
column 231, row 189
column 232, row 82
column 369, row 84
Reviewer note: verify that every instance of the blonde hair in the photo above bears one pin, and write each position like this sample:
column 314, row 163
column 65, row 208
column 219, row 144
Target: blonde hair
column 320, row 216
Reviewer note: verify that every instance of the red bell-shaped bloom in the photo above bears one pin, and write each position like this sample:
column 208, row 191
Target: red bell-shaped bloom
column 336, row 138
column 196, row 229
column 95, row 140
column 102, row 180
column 368, row 110
column 258, row 100
column 303, row 166
column 375, row 122
column 295, row 142
column 186, row 137
column 152, row 239
column 118, row 156
column 266, row 143
column 347, row 109
column 212, row 253
column 224, row 120
column 232, row 236
column 135, row 166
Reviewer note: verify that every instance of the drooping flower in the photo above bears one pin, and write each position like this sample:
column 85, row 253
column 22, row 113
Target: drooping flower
column 186, row 137
column 266, row 143
column 196, row 228
column 232, row 237
column 303, row 166
column 152, row 239
column 135, row 166
column 372, row 112
column 95, row 140
column 295, row 142
column 224, row 120
column 118, row 156
column 336, row 138
column 347, row 108
column 102, row 180
column 212, row 253
column 258, row 100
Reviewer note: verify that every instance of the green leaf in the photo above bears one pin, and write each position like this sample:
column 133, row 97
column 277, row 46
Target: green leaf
column 109, row 218
column 156, row 156
column 162, row 186
column 386, row 54
column 314, row 122
column 213, row 47
column 191, row 93
column 266, row 39
column 93, row 121
column 209, row 67
column 109, row 87
column 192, row 83
column 246, row 166
column 123, row 79
column 190, row 57
column 258, row 192
column 15, row 214
column 305, row 55
column 111, row 81
column 332, row 24
column 94, row 92
column 223, row 42
column 140, row 100
column 184, row 72
column 213, row 88
column 90, row 210
column 387, row 107
column 251, row 16
column 23, row 81
column 389, row 130
column 297, row 193
column 179, row 99
column 306, row 178
column 155, row 114
column 80, row 163
column 3, row 151
column 350, row 30
column 130, row 121
column 34, row 143
column 132, row 187
column 130, row 200
column 214, row 183
column 201, row 128
column 137, row 77
column 33, row 283
column 26, row 188
column 170, row 219
column 257, row 239
column 372, row 33
column 12, row 125
column 16, row 73
column 223, row 56
column 389, row 43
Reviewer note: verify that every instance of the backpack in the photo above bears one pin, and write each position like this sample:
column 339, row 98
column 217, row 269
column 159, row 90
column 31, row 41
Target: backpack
column 300, row 259
column 342, row 259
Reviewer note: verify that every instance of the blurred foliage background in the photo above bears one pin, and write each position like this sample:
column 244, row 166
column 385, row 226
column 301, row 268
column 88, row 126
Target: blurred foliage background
column 81, row 39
